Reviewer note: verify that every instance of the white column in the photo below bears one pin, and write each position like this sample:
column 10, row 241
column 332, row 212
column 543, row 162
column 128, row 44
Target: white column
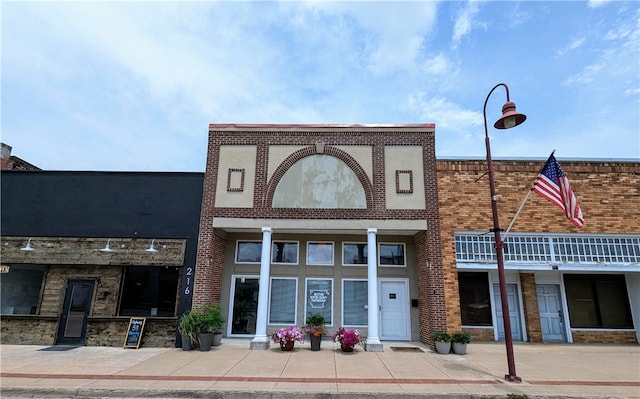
column 373, row 343
column 260, row 340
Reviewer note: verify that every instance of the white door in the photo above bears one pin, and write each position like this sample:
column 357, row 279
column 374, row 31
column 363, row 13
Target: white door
column 394, row 310
column 514, row 311
column 551, row 319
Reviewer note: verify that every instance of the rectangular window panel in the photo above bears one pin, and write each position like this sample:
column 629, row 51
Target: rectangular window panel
column 391, row 254
column 598, row 301
column 319, row 298
column 149, row 291
column 320, row 253
column 354, row 303
column 284, row 252
column 475, row 303
column 354, row 253
column 20, row 288
column 248, row 252
column 282, row 306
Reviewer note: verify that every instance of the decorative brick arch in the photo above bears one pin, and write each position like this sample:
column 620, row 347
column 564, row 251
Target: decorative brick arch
column 319, row 149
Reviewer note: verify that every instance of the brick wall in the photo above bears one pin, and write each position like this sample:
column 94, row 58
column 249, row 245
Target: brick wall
column 530, row 304
column 608, row 193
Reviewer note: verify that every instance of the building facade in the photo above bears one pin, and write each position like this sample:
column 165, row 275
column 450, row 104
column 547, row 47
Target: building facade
column 82, row 252
column 340, row 220
column 564, row 284
column 359, row 223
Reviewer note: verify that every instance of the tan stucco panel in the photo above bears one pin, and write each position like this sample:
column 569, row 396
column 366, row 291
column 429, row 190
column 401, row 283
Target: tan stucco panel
column 362, row 154
column 240, row 157
column 404, row 158
column 277, row 155
column 319, row 181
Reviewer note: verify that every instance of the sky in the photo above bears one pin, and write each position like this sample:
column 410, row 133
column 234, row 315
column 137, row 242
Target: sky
column 133, row 86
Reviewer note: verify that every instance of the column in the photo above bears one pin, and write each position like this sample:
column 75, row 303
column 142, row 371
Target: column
column 261, row 341
column 373, row 343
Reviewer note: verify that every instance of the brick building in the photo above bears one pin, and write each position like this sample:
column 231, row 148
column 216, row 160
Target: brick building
column 407, row 248
column 360, row 223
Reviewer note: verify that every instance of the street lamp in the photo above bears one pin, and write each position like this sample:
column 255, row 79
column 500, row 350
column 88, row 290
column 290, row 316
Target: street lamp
column 510, row 118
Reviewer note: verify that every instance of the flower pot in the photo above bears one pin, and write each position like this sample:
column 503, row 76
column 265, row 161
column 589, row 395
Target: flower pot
column 186, row 342
column 217, row 339
column 459, row 348
column 315, row 342
column 443, row 347
column 346, row 348
column 287, row 346
column 205, row 341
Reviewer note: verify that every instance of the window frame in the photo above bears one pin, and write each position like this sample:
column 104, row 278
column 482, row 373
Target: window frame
column 404, row 254
column 297, row 261
column 294, row 300
column 344, row 244
column 308, row 310
column 238, row 243
column 344, row 322
column 318, row 263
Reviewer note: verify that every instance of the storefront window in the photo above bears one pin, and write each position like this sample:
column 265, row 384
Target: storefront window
column 282, row 306
column 475, row 303
column 320, row 253
column 319, row 298
column 284, row 252
column 149, row 291
column 597, row 301
column 20, row 286
column 354, row 303
column 354, row 253
column 248, row 252
column 391, row 255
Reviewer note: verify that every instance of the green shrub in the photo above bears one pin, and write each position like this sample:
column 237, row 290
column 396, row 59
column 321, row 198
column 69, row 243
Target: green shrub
column 461, row 337
column 440, row 336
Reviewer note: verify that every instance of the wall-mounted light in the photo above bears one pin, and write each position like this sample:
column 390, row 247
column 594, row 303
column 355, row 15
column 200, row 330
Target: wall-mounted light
column 152, row 247
column 107, row 248
column 28, row 247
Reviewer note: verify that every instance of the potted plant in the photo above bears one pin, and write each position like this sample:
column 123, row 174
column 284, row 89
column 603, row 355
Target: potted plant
column 189, row 328
column 213, row 320
column 347, row 338
column 287, row 337
column 315, row 328
column 442, row 341
column 459, row 342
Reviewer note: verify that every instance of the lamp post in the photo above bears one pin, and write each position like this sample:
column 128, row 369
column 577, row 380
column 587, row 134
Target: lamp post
column 510, row 118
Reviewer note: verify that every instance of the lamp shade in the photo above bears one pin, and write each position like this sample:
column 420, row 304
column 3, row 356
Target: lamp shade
column 510, row 117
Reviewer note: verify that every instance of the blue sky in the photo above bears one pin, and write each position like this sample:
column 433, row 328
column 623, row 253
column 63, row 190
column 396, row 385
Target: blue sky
column 134, row 85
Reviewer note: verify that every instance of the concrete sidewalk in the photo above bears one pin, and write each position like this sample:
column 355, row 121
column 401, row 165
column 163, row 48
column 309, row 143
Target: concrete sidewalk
column 403, row 370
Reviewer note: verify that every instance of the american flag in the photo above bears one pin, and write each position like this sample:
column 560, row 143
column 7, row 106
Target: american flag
column 553, row 185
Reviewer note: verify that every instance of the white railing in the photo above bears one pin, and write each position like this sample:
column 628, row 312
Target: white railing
column 549, row 248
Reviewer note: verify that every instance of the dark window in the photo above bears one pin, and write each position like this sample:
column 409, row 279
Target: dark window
column 475, row 303
column 598, row 301
column 149, row 291
column 20, row 287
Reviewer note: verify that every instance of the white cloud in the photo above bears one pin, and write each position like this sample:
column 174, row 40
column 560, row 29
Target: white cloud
column 465, row 22
column 570, row 47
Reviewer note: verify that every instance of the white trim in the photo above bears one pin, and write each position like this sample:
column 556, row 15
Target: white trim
column 296, row 263
column 232, row 293
column 407, row 310
column 333, row 253
column 364, row 280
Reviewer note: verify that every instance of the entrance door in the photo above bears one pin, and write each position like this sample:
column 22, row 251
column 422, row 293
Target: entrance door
column 394, row 310
column 551, row 320
column 245, row 305
column 77, row 303
column 514, row 311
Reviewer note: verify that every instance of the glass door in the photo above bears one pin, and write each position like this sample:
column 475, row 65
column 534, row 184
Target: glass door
column 245, row 305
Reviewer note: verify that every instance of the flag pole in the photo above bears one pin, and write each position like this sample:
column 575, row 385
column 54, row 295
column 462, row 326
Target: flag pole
column 522, row 204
